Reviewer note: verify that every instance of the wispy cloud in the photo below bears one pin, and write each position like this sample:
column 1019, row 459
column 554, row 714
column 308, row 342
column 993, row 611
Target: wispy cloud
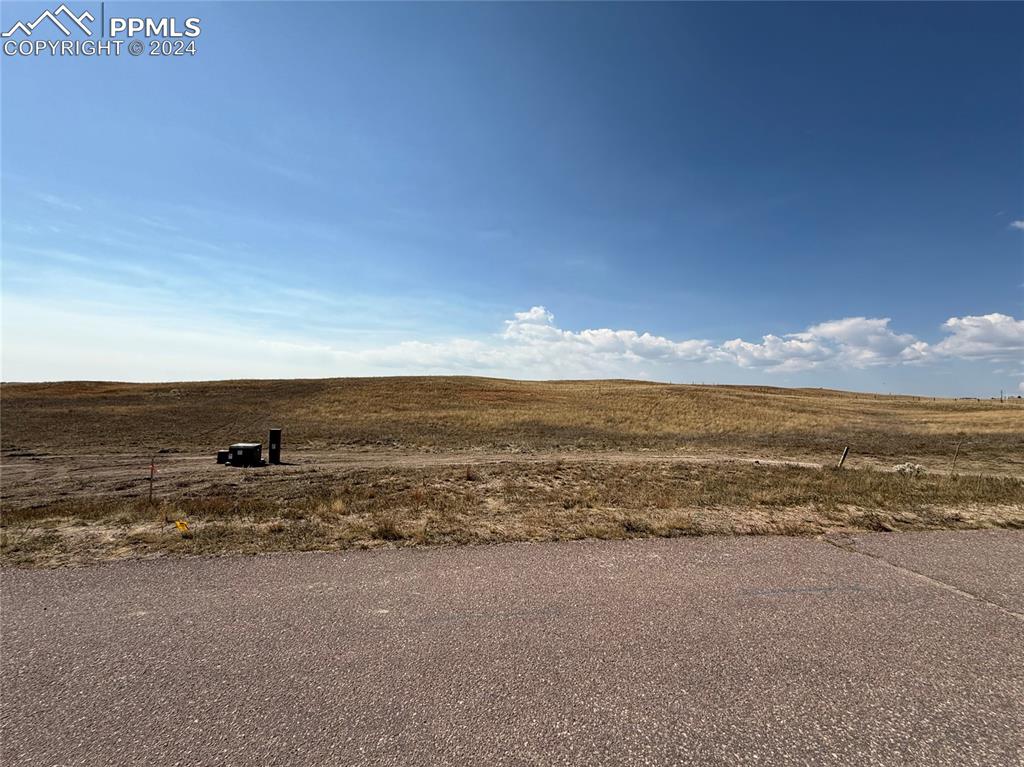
column 57, row 202
column 117, row 287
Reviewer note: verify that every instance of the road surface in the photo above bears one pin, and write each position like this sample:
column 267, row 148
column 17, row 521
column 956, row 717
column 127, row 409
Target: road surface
column 903, row 649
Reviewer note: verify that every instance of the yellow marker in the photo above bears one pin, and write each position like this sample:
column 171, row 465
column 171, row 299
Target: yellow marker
column 181, row 524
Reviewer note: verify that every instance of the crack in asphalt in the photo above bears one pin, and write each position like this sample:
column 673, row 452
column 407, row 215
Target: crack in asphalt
column 850, row 546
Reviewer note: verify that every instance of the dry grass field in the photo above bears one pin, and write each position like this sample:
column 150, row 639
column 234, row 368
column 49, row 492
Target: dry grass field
column 400, row 461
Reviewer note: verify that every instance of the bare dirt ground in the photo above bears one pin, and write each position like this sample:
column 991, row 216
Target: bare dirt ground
column 45, row 479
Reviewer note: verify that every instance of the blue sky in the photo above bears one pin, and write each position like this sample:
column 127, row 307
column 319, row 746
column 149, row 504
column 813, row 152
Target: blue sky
column 823, row 195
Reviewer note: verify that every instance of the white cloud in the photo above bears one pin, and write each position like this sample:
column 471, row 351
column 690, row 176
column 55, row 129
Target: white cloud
column 1017, row 224
column 775, row 353
column 64, row 342
column 989, row 336
column 852, row 342
column 860, row 341
column 536, row 329
column 533, row 344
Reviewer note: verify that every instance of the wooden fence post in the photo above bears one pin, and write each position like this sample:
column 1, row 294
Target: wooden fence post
column 955, row 456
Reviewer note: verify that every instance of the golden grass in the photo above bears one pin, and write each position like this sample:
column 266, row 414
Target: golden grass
column 451, row 413
column 67, row 508
column 511, row 502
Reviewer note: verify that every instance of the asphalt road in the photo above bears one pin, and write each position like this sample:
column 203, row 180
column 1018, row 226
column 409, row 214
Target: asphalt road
column 900, row 649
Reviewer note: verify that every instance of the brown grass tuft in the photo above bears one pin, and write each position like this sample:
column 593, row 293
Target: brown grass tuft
column 386, row 527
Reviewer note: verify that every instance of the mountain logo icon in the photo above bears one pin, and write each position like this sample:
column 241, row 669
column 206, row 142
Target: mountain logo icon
column 62, row 18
